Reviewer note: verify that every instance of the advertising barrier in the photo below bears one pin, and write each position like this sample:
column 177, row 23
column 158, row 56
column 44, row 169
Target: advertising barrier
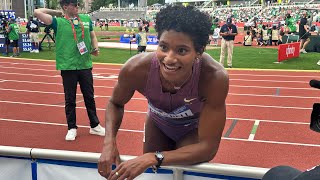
column 24, row 43
column 151, row 39
column 288, row 51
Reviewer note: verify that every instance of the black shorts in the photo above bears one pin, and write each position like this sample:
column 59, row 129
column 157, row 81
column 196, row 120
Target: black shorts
column 304, row 36
column 142, row 48
column 14, row 43
column 6, row 41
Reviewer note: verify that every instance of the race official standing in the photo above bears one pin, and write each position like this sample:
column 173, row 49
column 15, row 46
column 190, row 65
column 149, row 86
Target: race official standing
column 228, row 32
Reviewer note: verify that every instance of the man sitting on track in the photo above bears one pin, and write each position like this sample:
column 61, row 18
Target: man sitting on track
column 186, row 91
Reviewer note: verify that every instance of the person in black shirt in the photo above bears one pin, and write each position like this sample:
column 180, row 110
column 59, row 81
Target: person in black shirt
column 33, row 30
column 228, row 32
column 304, row 33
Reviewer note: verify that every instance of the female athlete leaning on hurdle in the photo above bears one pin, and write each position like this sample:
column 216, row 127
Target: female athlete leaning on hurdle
column 186, row 91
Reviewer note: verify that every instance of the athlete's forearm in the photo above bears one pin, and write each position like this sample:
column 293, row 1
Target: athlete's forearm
column 189, row 155
column 114, row 115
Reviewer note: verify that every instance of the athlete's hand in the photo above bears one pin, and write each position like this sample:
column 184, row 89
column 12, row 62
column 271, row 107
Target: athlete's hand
column 132, row 168
column 109, row 156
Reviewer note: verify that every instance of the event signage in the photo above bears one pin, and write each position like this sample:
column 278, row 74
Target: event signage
column 151, row 39
column 24, row 43
column 288, row 51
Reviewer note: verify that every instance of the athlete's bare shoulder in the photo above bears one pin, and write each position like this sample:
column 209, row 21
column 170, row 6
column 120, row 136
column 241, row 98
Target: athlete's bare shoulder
column 212, row 73
column 135, row 71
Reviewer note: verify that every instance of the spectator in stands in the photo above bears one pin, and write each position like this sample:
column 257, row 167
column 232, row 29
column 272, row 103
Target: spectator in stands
column 33, row 30
column 141, row 39
column 304, row 33
column 291, row 173
column 186, row 91
column 228, row 32
column 13, row 35
column 75, row 42
column 247, row 40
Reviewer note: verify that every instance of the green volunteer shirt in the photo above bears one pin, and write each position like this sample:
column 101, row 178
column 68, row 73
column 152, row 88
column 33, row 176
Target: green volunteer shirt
column 68, row 56
column 14, row 32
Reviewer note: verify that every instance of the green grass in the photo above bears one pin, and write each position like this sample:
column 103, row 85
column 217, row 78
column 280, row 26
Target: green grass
column 243, row 57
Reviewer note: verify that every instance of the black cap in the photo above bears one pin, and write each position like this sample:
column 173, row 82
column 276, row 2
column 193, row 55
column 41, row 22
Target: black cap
column 69, row 1
column 229, row 21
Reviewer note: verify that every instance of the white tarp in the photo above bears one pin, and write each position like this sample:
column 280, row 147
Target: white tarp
column 15, row 169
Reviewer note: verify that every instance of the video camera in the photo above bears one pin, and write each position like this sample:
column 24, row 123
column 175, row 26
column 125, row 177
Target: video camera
column 47, row 29
column 315, row 114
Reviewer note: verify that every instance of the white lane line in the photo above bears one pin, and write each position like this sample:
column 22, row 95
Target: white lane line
column 273, row 75
column 273, row 87
column 37, row 82
column 241, row 105
column 261, row 87
column 270, row 121
column 59, row 124
column 141, row 131
column 254, row 130
column 267, row 80
column 274, row 142
column 53, row 65
column 265, row 95
column 234, row 94
column 62, row 106
column 59, row 93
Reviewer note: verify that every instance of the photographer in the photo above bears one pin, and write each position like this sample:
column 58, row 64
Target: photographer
column 13, row 34
column 33, row 32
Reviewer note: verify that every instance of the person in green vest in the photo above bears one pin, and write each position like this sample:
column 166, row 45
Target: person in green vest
column 291, row 24
column 13, row 35
column 75, row 43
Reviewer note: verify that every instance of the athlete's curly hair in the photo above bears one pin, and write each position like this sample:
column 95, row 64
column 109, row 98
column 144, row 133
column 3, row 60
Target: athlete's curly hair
column 188, row 20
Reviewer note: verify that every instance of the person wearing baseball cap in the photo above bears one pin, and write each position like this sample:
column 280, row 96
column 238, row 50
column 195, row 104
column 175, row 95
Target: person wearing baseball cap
column 228, row 32
column 75, row 43
column 290, row 173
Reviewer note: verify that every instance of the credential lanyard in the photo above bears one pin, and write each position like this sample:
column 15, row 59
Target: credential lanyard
column 73, row 29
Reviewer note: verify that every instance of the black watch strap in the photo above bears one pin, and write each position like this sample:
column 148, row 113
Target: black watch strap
column 159, row 157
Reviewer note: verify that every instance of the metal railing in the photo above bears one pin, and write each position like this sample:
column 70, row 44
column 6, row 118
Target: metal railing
column 210, row 168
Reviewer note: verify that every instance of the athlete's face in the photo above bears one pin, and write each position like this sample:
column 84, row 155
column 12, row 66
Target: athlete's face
column 176, row 54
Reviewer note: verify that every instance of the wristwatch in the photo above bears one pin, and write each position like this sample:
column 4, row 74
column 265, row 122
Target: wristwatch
column 159, row 157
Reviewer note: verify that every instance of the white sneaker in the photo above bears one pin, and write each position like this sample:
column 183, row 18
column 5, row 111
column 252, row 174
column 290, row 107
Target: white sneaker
column 98, row 130
column 31, row 51
column 36, row 51
column 303, row 51
column 71, row 135
column 318, row 63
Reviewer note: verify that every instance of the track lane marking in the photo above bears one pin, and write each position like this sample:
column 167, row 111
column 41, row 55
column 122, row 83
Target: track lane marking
column 234, row 94
column 60, row 124
column 141, row 131
column 253, row 130
column 241, row 105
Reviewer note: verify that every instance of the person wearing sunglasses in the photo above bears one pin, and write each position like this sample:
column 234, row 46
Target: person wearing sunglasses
column 75, row 43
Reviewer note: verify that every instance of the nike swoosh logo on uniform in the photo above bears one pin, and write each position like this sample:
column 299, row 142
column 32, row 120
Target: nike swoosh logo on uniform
column 189, row 100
